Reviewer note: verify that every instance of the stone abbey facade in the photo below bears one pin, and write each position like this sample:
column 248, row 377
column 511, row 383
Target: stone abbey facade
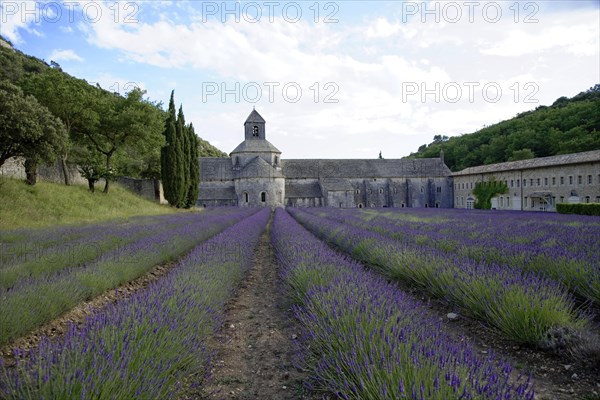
column 255, row 175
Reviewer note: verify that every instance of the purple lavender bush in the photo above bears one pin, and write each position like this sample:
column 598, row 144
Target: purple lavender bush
column 32, row 301
column 363, row 338
column 524, row 306
column 145, row 346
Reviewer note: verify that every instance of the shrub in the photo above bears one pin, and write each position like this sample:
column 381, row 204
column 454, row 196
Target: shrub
column 579, row 208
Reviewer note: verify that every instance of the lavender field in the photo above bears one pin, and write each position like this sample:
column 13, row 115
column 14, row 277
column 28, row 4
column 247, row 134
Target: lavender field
column 349, row 277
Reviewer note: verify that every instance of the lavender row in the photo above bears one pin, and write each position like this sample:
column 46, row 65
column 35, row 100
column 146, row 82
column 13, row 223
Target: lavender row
column 524, row 306
column 34, row 301
column 564, row 250
column 365, row 339
column 49, row 251
column 149, row 345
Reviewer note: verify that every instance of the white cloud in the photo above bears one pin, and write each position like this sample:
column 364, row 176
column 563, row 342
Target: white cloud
column 371, row 62
column 64, row 55
column 16, row 16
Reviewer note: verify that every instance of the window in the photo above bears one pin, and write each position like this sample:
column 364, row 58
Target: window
column 589, row 179
column 553, row 201
column 357, row 191
column 545, row 181
column 524, row 182
column 562, row 180
column 539, row 182
column 255, row 131
column 263, row 197
column 341, row 205
column 531, row 182
column 276, row 160
column 402, row 205
column 360, row 205
column 501, row 201
column 471, row 185
column 439, row 189
column 587, row 199
column 395, row 190
column 245, row 197
column 457, row 200
column 579, row 179
column 553, row 181
column 518, row 183
column 597, row 199
column 437, row 205
column 422, row 189
column 512, row 183
column 380, row 191
column 562, row 199
column 570, row 179
column 525, row 202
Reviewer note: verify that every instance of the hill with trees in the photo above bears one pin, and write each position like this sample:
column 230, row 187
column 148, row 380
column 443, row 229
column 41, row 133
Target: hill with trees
column 51, row 115
column 569, row 125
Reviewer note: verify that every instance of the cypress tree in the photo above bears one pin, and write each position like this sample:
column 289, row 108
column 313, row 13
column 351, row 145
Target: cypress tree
column 183, row 138
column 192, row 197
column 168, row 155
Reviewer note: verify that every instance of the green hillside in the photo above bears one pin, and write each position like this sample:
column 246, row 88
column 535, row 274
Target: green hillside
column 45, row 204
column 567, row 126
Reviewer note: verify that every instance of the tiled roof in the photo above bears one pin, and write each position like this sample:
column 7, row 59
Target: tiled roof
column 259, row 168
column 215, row 169
column 542, row 162
column 372, row 168
column 254, row 117
column 255, row 146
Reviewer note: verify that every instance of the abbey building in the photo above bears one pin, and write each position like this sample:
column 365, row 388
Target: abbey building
column 256, row 175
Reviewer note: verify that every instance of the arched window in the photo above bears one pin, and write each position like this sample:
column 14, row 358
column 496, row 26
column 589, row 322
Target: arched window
column 255, row 131
column 263, row 197
column 403, row 205
column 360, row 205
column 245, row 197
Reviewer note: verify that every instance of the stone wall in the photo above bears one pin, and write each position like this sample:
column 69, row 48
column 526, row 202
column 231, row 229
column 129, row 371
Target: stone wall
column 15, row 168
column 150, row 189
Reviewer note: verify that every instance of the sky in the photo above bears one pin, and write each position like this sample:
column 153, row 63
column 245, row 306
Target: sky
column 333, row 79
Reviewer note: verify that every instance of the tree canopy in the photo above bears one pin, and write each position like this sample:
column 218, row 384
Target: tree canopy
column 28, row 129
column 567, row 126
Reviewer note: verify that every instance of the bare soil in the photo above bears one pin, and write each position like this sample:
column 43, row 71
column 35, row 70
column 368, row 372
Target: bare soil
column 255, row 348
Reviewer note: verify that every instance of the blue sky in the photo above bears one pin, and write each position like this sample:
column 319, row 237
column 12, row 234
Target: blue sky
column 333, row 79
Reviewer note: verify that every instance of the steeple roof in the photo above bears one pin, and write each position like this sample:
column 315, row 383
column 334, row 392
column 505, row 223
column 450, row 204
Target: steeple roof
column 254, row 117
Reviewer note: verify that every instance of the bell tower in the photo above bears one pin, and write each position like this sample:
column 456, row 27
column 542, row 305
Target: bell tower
column 254, row 127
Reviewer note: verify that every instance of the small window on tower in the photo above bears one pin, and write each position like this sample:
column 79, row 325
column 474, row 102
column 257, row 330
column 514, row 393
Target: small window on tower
column 255, row 131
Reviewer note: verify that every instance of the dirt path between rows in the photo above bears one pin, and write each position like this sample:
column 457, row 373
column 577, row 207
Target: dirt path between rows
column 255, row 349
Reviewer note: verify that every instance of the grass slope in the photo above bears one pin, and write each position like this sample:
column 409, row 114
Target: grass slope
column 45, row 204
